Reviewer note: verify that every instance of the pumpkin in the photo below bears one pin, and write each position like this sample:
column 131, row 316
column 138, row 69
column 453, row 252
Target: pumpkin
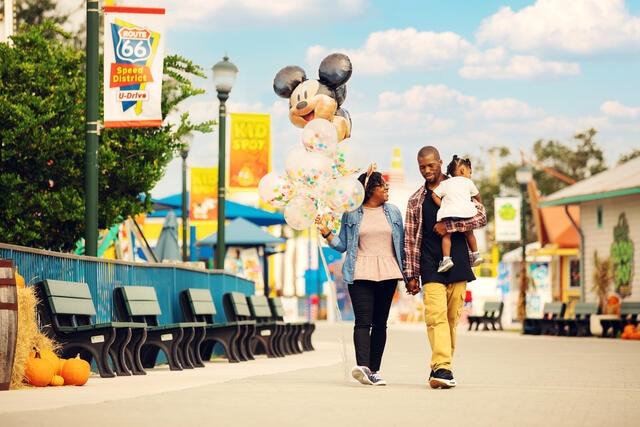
column 629, row 329
column 50, row 356
column 20, row 282
column 56, row 381
column 38, row 371
column 76, row 371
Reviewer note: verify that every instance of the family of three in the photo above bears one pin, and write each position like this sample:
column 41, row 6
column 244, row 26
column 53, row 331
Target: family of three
column 428, row 250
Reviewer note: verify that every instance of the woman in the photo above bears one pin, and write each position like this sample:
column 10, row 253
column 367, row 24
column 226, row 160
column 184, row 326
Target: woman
column 373, row 237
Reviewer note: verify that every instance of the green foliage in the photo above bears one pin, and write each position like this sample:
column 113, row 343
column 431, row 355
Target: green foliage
column 42, row 134
column 621, row 253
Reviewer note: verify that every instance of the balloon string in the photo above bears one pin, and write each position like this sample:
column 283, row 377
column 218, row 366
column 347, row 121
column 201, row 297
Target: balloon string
column 334, row 296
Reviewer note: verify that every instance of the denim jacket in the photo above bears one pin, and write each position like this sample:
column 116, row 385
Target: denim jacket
column 347, row 238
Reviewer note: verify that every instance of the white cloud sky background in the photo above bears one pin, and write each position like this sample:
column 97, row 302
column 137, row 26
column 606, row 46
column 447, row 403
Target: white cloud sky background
column 463, row 76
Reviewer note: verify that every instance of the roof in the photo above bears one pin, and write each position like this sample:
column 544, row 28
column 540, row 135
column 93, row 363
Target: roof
column 241, row 232
column 232, row 210
column 622, row 180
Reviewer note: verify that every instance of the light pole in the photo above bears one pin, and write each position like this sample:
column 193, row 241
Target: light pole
column 523, row 177
column 184, row 153
column 224, row 76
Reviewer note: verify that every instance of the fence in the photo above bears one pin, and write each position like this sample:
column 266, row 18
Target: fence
column 103, row 275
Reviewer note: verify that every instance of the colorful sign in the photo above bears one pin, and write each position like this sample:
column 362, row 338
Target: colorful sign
column 507, row 219
column 249, row 154
column 204, row 194
column 133, row 66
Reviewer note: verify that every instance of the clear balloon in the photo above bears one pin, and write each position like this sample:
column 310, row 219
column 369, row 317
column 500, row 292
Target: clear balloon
column 351, row 157
column 307, row 168
column 344, row 194
column 320, row 136
column 300, row 213
column 275, row 189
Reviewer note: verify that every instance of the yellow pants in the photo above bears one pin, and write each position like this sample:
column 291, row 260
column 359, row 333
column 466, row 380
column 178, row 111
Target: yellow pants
column 442, row 310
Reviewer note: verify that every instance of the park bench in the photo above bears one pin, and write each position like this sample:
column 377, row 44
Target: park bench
column 274, row 331
column 66, row 311
column 579, row 324
column 197, row 306
column 492, row 316
column 140, row 304
column 629, row 311
column 546, row 325
column 262, row 338
column 299, row 333
column 236, row 309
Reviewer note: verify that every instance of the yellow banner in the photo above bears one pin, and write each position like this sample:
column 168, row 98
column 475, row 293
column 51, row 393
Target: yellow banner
column 204, row 194
column 250, row 151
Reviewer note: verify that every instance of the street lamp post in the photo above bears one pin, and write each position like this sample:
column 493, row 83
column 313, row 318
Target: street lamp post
column 224, row 76
column 523, row 177
column 184, row 153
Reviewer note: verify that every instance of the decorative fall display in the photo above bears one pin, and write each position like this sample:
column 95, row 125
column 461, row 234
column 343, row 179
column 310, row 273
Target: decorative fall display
column 622, row 257
column 50, row 356
column 56, row 381
column 20, row 282
column 38, row 371
column 76, row 371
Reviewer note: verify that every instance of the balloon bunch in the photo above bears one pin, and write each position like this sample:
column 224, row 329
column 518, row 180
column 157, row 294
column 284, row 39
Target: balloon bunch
column 320, row 177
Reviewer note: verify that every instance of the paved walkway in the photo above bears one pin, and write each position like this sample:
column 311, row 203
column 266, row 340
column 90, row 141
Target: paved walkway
column 504, row 379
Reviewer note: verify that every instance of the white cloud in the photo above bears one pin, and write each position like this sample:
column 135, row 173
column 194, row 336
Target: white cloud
column 233, row 14
column 432, row 97
column 389, row 51
column 575, row 26
column 496, row 63
column 506, row 109
column 616, row 109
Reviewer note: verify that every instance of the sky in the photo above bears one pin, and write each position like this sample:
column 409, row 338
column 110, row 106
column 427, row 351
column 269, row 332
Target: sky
column 464, row 76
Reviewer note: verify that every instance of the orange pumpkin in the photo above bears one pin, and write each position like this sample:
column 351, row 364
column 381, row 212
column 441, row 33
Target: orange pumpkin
column 50, row 356
column 38, row 371
column 629, row 329
column 20, row 282
column 76, row 371
column 56, row 381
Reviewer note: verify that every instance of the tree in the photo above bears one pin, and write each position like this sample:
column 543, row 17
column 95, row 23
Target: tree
column 42, row 105
column 578, row 163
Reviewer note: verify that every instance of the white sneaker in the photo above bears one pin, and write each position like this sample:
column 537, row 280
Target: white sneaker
column 445, row 264
column 376, row 379
column 477, row 259
column 361, row 374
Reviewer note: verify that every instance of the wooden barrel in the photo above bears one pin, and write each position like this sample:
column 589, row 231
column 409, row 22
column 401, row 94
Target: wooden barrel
column 8, row 321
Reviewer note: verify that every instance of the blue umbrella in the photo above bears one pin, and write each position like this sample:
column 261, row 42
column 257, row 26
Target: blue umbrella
column 167, row 247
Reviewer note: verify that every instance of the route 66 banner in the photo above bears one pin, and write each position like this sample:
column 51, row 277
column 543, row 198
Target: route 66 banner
column 133, row 59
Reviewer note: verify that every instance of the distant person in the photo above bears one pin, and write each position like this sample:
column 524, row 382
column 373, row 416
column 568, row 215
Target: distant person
column 373, row 237
column 443, row 293
column 454, row 197
column 235, row 263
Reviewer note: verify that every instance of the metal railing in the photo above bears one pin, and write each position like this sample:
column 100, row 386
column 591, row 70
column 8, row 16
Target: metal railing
column 104, row 275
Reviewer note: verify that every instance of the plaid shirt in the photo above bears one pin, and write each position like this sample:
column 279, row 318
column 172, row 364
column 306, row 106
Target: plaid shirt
column 413, row 230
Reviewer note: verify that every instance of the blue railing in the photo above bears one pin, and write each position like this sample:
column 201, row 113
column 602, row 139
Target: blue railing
column 104, row 275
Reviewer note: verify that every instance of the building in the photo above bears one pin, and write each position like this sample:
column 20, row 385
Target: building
column 608, row 229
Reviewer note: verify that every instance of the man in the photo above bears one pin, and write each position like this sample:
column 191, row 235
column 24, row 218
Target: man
column 443, row 293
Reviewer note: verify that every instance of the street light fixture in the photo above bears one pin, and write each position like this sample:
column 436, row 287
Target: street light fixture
column 184, row 153
column 224, row 76
column 524, row 174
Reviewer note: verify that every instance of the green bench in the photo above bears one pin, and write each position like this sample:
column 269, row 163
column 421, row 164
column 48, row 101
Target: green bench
column 546, row 325
column 491, row 316
column 579, row 324
column 66, row 311
column 299, row 333
column 261, row 336
column 629, row 311
column 140, row 304
column 197, row 306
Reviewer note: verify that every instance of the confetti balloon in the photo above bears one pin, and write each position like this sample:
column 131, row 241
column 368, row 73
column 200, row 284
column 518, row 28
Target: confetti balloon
column 275, row 189
column 344, row 194
column 351, row 157
column 320, row 136
column 308, row 168
column 300, row 212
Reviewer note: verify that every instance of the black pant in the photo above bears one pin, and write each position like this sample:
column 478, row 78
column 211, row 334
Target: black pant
column 371, row 303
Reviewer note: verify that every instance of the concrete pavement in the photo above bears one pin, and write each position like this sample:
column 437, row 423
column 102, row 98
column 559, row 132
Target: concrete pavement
column 504, row 379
